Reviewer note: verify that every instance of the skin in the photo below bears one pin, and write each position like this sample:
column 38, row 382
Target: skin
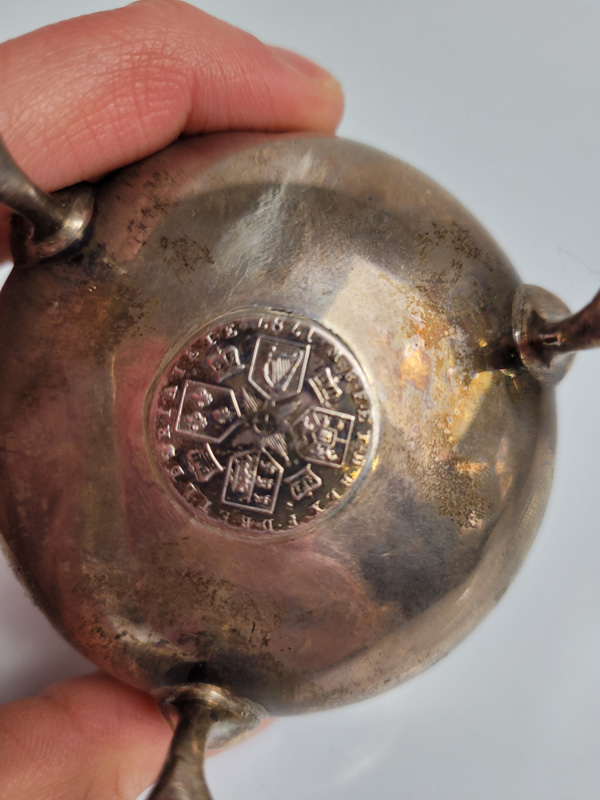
column 124, row 84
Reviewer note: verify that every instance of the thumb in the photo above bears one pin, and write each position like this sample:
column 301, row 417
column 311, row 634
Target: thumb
column 88, row 95
column 90, row 737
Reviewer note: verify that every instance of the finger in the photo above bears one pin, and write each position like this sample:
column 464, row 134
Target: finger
column 88, row 95
column 89, row 737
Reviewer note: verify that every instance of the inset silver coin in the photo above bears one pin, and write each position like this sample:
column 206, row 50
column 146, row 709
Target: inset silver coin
column 263, row 422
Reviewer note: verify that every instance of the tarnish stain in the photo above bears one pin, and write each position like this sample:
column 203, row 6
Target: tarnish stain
column 459, row 239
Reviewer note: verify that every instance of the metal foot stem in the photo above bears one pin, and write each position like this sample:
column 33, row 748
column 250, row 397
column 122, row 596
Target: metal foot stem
column 547, row 335
column 208, row 717
column 55, row 222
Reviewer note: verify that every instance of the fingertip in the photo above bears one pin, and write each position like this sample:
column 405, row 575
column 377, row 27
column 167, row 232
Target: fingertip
column 321, row 79
column 307, row 68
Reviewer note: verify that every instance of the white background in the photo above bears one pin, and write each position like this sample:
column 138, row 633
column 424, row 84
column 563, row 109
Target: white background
column 500, row 102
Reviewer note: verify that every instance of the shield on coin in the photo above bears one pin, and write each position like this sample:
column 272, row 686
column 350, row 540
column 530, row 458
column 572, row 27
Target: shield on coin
column 278, row 367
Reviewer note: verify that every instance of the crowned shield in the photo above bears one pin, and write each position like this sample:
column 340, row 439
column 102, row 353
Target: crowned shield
column 207, row 413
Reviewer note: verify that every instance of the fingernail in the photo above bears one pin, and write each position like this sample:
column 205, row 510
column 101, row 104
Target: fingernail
column 307, row 68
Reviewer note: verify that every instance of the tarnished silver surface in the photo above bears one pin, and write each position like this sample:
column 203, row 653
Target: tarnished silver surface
column 263, row 422
column 369, row 251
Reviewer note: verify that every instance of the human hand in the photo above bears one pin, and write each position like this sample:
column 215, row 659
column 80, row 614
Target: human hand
column 80, row 99
column 92, row 94
column 89, row 737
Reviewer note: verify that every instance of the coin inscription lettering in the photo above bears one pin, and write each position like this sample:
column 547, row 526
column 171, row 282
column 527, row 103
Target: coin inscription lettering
column 262, row 422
